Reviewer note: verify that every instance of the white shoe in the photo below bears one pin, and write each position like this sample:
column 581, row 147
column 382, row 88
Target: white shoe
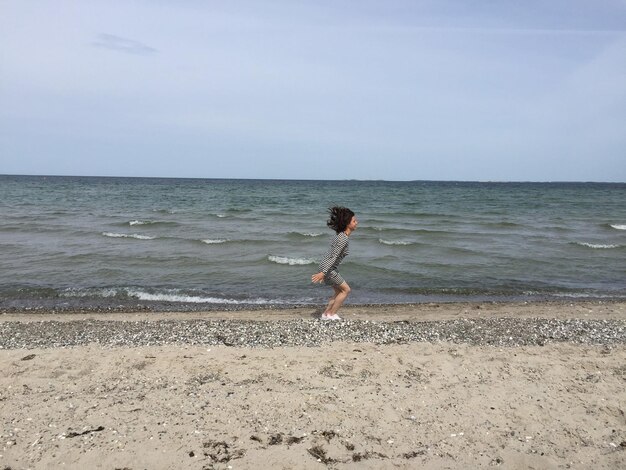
column 334, row 317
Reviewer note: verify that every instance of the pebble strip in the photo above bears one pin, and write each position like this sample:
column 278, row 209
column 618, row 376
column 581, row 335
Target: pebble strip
column 503, row 332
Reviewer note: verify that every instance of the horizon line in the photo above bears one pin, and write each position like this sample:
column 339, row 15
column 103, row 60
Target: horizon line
column 307, row 179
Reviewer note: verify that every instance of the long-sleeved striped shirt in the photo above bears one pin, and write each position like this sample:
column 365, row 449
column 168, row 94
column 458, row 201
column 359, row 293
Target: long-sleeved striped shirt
column 337, row 252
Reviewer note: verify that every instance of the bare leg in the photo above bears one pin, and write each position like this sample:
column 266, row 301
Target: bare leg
column 331, row 301
column 341, row 293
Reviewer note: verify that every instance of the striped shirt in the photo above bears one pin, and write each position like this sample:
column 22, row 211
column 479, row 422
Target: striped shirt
column 337, row 252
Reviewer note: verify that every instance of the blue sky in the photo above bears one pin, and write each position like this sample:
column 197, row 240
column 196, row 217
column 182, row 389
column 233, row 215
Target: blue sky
column 396, row 90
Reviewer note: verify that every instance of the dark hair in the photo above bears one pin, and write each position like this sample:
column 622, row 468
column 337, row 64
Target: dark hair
column 339, row 219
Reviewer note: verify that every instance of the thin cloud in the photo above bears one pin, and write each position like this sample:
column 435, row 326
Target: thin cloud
column 120, row 44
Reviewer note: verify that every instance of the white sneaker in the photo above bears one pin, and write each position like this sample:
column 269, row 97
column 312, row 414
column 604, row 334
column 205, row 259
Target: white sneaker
column 334, row 317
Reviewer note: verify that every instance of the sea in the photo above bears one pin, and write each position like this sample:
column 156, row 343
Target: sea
column 207, row 244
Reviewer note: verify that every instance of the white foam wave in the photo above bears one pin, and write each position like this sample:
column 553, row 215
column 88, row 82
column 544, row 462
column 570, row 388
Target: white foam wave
column 172, row 297
column 290, row 261
column 208, row 241
column 597, row 246
column 127, row 235
column 140, row 222
column 169, row 296
column 310, row 234
column 618, row 227
column 77, row 292
column 397, row 242
column 582, row 295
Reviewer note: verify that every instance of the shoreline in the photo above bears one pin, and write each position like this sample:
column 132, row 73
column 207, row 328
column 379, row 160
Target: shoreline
column 105, row 305
column 429, row 311
column 504, row 325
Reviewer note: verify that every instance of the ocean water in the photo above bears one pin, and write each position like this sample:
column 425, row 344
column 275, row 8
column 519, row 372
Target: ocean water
column 203, row 244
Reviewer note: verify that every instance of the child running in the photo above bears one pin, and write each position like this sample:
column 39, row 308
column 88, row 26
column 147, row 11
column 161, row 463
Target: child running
column 343, row 221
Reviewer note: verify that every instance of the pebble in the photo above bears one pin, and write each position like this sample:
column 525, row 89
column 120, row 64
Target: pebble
column 299, row 332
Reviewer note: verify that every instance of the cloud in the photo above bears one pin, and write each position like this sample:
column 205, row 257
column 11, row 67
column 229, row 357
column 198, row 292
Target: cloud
column 117, row 43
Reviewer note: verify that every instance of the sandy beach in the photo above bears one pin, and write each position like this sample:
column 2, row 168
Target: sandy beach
column 537, row 385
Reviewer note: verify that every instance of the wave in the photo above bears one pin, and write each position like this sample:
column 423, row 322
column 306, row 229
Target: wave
column 598, row 246
column 290, row 261
column 408, row 214
column 232, row 214
column 305, row 234
column 168, row 295
column 89, row 292
column 586, row 295
column 128, row 235
column 239, row 209
column 186, row 298
column 395, row 242
column 416, row 231
column 12, row 228
column 502, row 224
column 241, row 241
column 618, row 226
column 165, row 211
column 33, row 227
column 149, row 222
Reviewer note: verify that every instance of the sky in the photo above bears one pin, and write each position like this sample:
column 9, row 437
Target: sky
column 505, row 90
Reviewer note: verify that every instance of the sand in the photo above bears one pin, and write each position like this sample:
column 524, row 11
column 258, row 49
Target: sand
column 339, row 405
